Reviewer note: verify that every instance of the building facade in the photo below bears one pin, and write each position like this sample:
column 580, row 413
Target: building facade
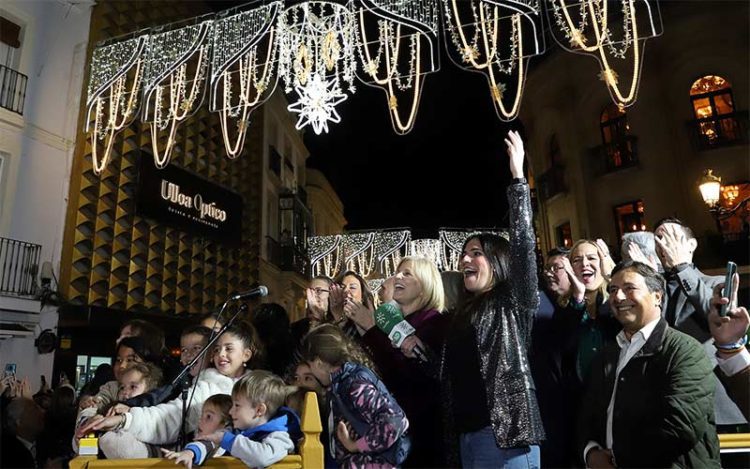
column 325, row 204
column 42, row 60
column 601, row 171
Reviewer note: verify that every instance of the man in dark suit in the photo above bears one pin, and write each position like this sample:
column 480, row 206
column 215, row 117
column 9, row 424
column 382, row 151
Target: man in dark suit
column 24, row 421
column 649, row 401
column 688, row 303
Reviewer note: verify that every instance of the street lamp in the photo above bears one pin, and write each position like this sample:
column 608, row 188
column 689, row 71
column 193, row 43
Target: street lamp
column 710, row 187
column 711, row 190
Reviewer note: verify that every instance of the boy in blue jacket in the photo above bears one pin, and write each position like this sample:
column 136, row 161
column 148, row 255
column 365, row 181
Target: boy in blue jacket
column 263, row 429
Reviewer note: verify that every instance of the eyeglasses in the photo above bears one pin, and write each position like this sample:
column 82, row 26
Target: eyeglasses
column 319, row 291
column 553, row 269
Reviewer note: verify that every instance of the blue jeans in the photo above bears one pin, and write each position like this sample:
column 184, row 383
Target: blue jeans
column 479, row 450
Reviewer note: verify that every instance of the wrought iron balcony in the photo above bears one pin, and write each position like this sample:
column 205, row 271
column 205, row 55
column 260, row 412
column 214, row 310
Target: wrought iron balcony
column 19, row 265
column 551, row 182
column 287, row 256
column 12, row 89
column 719, row 131
column 614, row 156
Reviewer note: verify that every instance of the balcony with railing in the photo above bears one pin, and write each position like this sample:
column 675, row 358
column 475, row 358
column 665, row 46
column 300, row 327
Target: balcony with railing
column 551, row 182
column 616, row 155
column 718, row 131
column 19, row 265
column 12, row 89
column 287, row 256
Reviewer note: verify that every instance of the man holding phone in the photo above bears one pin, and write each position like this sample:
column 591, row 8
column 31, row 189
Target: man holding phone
column 730, row 336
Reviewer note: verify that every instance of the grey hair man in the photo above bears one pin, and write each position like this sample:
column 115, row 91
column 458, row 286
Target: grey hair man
column 640, row 246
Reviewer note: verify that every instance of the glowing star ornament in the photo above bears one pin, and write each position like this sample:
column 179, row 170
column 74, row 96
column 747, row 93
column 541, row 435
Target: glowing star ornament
column 317, row 104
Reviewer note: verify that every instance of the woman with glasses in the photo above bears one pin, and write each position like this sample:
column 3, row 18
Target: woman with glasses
column 318, row 309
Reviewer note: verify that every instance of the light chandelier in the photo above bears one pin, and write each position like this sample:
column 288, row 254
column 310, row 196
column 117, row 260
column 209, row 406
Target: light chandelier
column 316, row 60
column 594, row 27
column 404, row 50
column 495, row 38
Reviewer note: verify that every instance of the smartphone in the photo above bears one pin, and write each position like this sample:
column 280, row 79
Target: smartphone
column 10, row 370
column 728, row 287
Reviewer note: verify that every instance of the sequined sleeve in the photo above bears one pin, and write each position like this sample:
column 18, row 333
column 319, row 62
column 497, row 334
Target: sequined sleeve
column 523, row 274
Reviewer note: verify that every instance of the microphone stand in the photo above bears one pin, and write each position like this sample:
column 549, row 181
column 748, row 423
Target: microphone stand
column 181, row 380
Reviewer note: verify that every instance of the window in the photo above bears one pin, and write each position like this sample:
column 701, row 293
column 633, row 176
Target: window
column 618, row 147
column 713, row 106
column 629, row 217
column 10, row 43
column 563, row 236
column 3, row 157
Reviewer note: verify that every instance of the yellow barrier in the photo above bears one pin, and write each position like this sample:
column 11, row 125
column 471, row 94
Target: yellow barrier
column 729, row 441
column 310, row 450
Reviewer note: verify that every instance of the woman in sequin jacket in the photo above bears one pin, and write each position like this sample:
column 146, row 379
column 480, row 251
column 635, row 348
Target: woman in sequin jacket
column 485, row 367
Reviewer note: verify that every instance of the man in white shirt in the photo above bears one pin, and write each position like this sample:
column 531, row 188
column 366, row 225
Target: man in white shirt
column 649, row 401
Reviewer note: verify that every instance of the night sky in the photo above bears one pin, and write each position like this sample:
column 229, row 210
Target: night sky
column 449, row 171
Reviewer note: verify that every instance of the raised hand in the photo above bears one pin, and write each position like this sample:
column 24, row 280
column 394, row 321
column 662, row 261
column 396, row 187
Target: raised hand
column 674, row 247
column 733, row 327
column 607, row 264
column 636, row 254
column 516, row 153
column 336, row 299
column 577, row 288
column 360, row 314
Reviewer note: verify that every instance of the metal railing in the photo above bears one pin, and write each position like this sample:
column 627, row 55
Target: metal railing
column 287, row 257
column 12, row 89
column 19, row 265
column 614, row 156
column 551, row 182
column 719, row 131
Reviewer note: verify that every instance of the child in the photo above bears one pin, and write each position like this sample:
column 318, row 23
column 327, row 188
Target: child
column 370, row 426
column 139, row 378
column 262, row 426
column 214, row 417
column 161, row 424
column 192, row 341
column 130, row 350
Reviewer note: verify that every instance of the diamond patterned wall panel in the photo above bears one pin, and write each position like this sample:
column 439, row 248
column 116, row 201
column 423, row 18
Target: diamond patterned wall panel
column 117, row 259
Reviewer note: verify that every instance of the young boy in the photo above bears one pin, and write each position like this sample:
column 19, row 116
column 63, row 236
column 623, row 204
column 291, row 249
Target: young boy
column 262, row 427
column 138, row 379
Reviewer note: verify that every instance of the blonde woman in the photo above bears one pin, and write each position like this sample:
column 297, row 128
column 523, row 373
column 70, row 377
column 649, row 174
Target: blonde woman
column 418, row 291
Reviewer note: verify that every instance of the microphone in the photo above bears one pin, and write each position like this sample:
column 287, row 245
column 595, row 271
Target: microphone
column 389, row 319
column 255, row 292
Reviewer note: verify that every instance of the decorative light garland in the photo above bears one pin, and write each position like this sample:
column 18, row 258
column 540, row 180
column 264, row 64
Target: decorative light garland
column 313, row 45
column 111, row 87
column 169, row 54
column 595, row 14
column 236, row 43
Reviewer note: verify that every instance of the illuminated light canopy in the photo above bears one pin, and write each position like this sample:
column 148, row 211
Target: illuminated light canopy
column 404, row 50
column 495, row 38
column 614, row 32
column 114, row 92
column 317, row 104
column 243, row 61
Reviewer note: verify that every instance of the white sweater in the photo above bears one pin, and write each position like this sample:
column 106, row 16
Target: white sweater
column 160, row 424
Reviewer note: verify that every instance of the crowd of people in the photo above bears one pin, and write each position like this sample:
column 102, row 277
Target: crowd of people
column 580, row 362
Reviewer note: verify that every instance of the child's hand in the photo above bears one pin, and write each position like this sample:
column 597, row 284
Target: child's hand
column 104, row 424
column 118, row 409
column 86, row 424
column 185, row 457
column 214, row 437
column 88, row 401
column 342, row 432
